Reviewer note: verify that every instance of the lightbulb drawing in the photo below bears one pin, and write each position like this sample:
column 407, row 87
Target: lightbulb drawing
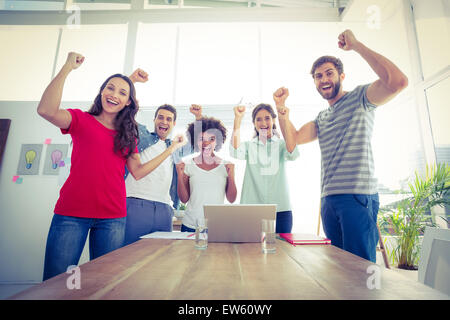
column 56, row 158
column 29, row 158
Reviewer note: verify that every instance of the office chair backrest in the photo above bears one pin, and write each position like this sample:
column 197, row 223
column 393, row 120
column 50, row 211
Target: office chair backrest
column 434, row 264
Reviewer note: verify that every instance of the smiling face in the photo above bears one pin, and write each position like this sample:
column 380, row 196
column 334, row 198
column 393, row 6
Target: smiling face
column 206, row 143
column 264, row 123
column 328, row 81
column 164, row 122
column 115, row 96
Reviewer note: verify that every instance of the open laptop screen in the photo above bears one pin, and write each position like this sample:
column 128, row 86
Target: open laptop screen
column 237, row 222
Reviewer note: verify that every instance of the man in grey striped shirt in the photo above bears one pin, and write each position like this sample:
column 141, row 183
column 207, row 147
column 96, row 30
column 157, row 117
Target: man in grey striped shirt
column 349, row 198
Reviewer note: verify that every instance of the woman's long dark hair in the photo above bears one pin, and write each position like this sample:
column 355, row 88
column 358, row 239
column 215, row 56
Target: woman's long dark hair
column 127, row 136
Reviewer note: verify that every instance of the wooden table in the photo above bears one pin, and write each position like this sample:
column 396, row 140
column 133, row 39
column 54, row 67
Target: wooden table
column 174, row 269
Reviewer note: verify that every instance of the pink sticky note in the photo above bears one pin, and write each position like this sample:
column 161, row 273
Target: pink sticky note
column 15, row 178
column 48, row 141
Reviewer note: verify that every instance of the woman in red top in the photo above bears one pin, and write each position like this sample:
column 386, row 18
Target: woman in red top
column 93, row 199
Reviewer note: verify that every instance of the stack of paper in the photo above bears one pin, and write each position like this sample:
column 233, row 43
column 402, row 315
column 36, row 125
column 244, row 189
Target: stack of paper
column 170, row 235
column 301, row 238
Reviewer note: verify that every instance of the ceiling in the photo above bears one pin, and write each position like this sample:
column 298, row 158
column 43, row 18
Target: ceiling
column 149, row 4
column 252, row 3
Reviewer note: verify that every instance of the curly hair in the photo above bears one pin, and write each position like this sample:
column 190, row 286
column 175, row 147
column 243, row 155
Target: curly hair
column 210, row 124
column 127, row 136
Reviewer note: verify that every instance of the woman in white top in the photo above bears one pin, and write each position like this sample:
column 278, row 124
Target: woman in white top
column 206, row 178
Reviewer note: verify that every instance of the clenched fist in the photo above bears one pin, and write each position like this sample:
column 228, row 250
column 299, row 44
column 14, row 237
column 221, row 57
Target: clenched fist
column 74, row 60
column 347, row 40
column 196, row 110
column 283, row 112
column 178, row 142
column 239, row 111
column 180, row 167
column 280, row 96
column 139, row 75
column 230, row 169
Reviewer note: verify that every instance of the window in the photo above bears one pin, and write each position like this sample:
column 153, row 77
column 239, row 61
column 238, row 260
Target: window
column 102, row 5
column 31, row 5
column 26, row 61
column 155, row 53
column 217, row 63
column 103, row 47
column 433, row 34
column 437, row 97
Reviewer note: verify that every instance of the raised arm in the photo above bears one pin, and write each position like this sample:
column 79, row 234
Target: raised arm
column 230, row 189
column 139, row 170
column 239, row 112
column 183, row 188
column 48, row 107
column 139, row 75
column 187, row 149
column 196, row 110
column 391, row 80
column 292, row 137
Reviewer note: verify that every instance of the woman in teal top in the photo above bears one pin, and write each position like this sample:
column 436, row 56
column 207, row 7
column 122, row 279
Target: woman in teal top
column 265, row 155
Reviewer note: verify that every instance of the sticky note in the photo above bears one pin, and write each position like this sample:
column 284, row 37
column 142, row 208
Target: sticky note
column 19, row 180
column 14, row 179
column 61, row 163
column 48, row 141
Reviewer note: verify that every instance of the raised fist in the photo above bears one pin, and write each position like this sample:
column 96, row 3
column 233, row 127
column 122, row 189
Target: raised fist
column 180, row 167
column 280, row 96
column 139, row 75
column 196, row 110
column 239, row 111
column 74, row 60
column 347, row 40
column 283, row 112
column 230, row 169
column 178, row 141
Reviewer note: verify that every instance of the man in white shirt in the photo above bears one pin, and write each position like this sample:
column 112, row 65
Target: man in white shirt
column 150, row 200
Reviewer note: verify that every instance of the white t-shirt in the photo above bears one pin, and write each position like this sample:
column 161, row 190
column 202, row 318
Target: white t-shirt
column 206, row 187
column 156, row 185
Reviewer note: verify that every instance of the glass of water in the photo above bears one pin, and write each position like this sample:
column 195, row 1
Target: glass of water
column 201, row 233
column 268, row 236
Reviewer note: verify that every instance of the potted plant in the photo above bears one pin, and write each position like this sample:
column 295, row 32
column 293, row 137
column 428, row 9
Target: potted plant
column 409, row 219
column 179, row 213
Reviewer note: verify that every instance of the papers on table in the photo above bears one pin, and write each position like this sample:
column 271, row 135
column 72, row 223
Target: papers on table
column 170, row 235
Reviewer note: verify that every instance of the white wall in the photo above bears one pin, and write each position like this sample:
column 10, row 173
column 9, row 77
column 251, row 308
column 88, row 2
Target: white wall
column 25, row 209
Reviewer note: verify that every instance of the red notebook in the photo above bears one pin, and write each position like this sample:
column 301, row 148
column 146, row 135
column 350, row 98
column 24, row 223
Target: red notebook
column 302, row 238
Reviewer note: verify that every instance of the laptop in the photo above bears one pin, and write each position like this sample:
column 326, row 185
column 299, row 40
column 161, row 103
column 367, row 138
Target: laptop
column 237, row 222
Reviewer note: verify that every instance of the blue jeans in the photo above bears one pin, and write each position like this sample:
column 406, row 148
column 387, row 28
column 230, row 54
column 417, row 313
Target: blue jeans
column 67, row 236
column 284, row 222
column 144, row 217
column 350, row 222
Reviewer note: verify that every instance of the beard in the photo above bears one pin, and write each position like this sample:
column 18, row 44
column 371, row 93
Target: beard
column 333, row 93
